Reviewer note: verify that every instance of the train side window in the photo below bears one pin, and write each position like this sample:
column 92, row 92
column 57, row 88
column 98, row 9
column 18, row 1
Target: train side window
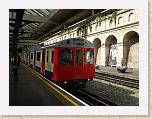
column 47, row 56
column 31, row 55
column 78, row 57
column 89, row 57
column 66, row 57
column 38, row 56
column 52, row 56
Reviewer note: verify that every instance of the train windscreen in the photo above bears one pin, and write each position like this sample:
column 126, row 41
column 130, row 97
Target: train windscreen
column 66, row 57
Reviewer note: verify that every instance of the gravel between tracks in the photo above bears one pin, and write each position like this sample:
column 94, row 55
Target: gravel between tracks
column 120, row 95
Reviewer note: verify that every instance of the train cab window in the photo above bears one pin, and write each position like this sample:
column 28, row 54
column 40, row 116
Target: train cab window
column 38, row 56
column 52, row 56
column 66, row 57
column 78, row 57
column 89, row 57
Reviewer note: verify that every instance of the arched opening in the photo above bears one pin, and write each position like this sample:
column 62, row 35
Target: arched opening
column 131, row 17
column 97, row 45
column 111, row 51
column 120, row 21
column 131, row 49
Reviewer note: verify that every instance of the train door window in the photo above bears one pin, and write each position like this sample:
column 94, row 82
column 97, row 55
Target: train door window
column 38, row 56
column 66, row 57
column 78, row 56
column 47, row 56
column 89, row 57
column 52, row 56
column 31, row 55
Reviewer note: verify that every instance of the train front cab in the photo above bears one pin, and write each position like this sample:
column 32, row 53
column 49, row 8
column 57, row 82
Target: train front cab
column 73, row 64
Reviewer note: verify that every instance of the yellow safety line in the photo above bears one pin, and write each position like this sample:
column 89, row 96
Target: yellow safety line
column 55, row 89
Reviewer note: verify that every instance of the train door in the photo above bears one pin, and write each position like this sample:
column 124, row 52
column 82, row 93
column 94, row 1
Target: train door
column 78, row 63
column 29, row 59
column 66, row 64
column 34, row 60
column 88, row 66
column 52, row 61
column 43, row 61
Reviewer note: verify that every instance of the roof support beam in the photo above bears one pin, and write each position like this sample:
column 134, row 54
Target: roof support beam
column 63, row 24
column 28, row 41
column 22, row 44
column 39, row 19
column 25, row 38
column 34, row 18
column 30, row 31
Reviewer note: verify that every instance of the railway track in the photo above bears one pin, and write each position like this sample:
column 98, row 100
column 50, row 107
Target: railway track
column 92, row 99
column 125, row 81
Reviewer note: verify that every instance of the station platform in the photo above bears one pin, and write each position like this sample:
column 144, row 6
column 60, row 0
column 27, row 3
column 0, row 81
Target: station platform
column 130, row 73
column 32, row 89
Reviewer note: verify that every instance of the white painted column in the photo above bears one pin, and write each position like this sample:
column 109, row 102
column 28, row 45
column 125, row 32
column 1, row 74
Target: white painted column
column 103, row 58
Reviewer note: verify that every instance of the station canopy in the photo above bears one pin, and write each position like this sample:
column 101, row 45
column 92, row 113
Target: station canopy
column 31, row 26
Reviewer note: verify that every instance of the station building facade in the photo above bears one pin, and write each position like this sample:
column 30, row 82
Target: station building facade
column 115, row 36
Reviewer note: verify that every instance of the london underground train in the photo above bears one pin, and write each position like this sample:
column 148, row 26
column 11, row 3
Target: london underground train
column 67, row 61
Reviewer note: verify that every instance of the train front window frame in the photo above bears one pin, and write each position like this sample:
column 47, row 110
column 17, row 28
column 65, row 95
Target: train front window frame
column 89, row 57
column 78, row 56
column 66, row 56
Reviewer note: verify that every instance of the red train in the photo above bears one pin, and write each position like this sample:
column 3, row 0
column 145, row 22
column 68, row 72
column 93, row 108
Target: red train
column 67, row 61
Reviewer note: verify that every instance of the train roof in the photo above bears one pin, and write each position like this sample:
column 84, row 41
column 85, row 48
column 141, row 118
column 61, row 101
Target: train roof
column 72, row 42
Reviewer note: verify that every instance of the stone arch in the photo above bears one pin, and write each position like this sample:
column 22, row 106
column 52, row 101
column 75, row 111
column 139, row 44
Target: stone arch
column 97, row 45
column 131, row 49
column 111, row 51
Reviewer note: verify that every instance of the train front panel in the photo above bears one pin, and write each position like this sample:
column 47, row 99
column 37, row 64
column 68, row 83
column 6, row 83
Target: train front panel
column 74, row 64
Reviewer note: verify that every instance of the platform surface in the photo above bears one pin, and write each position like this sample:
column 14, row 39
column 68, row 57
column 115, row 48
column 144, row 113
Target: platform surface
column 28, row 90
